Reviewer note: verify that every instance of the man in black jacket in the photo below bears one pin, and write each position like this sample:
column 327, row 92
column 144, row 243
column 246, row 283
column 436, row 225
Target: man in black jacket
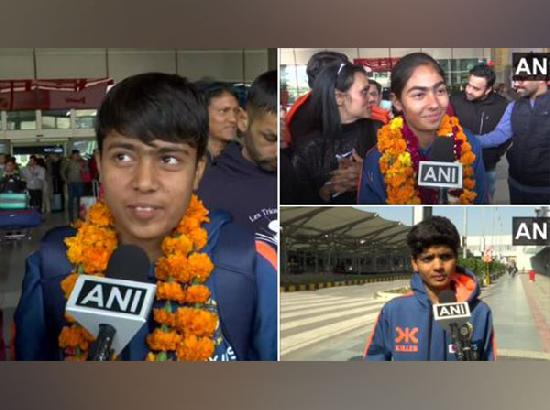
column 479, row 109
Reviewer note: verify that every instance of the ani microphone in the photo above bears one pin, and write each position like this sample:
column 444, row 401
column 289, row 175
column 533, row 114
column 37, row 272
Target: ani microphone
column 455, row 317
column 114, row 308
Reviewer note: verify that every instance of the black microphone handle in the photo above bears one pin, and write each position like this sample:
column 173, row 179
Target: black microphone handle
column 465, row 335
column 443, row 200
column 101, row 351
column 455, row 337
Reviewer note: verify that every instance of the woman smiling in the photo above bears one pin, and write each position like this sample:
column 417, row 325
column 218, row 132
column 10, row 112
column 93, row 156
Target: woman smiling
column 390, row 170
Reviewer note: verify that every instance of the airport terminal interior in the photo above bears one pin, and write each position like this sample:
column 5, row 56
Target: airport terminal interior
column 48, row 105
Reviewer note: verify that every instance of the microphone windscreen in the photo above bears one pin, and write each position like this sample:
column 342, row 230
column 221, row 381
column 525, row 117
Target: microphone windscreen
column 442, row 150
column 447, row 296
column 128, row 262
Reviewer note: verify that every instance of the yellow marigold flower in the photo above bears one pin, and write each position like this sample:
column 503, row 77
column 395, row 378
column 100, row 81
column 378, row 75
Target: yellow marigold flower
column 405, row 159
column 396, row 123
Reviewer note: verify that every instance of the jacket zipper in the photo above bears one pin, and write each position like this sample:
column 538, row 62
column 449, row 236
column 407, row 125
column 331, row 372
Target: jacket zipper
column 481, row 125
column 430, row 332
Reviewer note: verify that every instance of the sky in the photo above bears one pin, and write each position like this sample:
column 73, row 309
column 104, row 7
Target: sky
column 481, row 220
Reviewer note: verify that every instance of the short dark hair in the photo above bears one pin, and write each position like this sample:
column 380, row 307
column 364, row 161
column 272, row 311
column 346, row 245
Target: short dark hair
column 320, row 60
column 214, row 89
column 405, row 67
column 376, row 84
column 434, row 231
column 262, row 96
column 483, row 70
column 155, row 106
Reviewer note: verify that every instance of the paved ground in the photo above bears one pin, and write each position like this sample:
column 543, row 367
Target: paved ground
column 334, row 324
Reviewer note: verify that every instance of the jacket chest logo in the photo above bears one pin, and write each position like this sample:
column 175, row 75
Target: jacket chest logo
column 406, row 340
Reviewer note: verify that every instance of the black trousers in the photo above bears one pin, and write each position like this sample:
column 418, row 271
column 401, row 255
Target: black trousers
column 36, row 198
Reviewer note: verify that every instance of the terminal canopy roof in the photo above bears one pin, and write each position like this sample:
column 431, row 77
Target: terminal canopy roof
column 342, row 228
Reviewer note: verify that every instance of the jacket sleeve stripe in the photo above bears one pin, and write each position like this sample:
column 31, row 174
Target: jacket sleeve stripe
column 268, row 252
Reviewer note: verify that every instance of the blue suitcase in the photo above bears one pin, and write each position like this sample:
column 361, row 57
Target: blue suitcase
column 19, row 219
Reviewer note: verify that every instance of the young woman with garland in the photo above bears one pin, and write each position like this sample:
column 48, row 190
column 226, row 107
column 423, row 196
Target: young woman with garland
column 216, row 296
column 390, row 169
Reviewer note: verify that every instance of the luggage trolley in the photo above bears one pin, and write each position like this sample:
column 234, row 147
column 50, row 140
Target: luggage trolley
column 17, row 218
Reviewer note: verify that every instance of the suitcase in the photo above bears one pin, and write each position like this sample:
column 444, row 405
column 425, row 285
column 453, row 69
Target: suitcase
column 19, row 219
column 14, row 201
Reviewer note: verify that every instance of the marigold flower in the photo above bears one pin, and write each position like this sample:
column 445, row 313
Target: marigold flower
column 181, row 245
column 175, row 267
column 199, row 237
column 68, row 283
column 99, row 215
column 170, row 291
column 75, row 336
column 196, row 321
column 195, row 348
column 397, row 163
column 468, row 183
column 197, row 210
column 396, row 123
column 197, row 294
column 199, row 266
column 163, row 317
column 163, row 341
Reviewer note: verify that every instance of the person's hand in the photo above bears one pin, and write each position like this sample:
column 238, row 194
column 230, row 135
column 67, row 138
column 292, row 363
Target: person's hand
column 344, row 179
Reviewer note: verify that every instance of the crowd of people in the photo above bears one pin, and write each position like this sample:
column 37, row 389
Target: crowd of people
column 348, row 141
column 49, row 179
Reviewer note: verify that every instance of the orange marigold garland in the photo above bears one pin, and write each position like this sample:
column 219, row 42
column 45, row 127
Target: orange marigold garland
column 188, row 320
column 399, row 161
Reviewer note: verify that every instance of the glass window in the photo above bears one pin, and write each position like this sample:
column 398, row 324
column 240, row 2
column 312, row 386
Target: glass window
column 86, row 147
column 85, row 118
column 293, row 82
column 21, row 120
column 56, row 119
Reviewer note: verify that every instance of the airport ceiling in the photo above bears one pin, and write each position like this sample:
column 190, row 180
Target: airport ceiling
column 343, row 228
